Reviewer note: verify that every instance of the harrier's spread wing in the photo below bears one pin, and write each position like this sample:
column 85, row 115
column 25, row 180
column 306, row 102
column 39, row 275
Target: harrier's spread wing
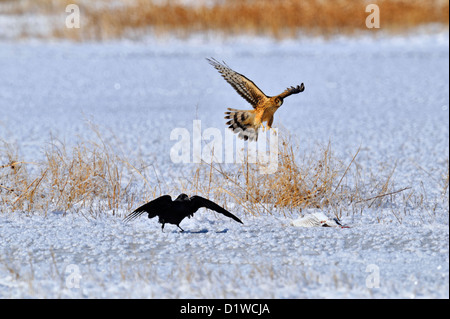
column 243, row 86
column 292, row 90
column 198, row 201
column 152, row 208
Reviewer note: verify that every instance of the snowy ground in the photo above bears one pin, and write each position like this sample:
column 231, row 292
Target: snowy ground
column 388, row 95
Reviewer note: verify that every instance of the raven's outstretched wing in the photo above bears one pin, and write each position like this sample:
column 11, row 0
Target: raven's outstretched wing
column 152, row 208
column 243, row 86
column 198, row 201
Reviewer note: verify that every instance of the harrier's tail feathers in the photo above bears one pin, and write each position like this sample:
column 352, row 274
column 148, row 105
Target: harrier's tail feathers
column 241, row 123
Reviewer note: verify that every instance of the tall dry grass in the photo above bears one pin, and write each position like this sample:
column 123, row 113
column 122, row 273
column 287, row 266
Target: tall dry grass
column 278, row 18
column 93, row 177
column 316, row 179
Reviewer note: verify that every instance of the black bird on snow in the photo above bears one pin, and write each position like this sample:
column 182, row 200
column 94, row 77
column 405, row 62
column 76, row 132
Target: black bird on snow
column 173, row 212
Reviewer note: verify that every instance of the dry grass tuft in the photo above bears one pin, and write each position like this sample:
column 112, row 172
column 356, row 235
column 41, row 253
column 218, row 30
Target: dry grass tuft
column 90, row 175
column 80, row 177
column 316, row 180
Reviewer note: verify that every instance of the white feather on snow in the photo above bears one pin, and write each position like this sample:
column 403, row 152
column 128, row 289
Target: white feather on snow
column 317, row 219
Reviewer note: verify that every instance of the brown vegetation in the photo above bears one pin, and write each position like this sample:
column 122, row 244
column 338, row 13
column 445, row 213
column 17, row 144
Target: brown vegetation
column 317, row 179
column 277, row 18
column 92, row 177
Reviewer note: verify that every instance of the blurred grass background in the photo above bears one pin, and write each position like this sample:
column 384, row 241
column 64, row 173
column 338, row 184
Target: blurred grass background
column 105, row 20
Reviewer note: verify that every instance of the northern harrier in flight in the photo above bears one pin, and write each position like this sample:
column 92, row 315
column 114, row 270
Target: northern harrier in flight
column 247, row 122
column 173, row 212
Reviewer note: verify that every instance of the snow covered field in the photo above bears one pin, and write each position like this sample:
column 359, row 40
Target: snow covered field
column 389, row 95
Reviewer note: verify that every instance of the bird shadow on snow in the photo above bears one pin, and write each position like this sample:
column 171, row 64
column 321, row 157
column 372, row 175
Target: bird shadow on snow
column 201, row 231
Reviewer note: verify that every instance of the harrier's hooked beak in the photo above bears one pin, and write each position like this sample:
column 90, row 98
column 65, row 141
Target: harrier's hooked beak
column 280, row 102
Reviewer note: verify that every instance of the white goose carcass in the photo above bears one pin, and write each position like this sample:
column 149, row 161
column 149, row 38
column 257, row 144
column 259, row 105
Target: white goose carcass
column 317, row 219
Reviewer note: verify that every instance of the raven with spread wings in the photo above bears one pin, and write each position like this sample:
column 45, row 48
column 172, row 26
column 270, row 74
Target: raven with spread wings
column 247, row 122
column 173, row 212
